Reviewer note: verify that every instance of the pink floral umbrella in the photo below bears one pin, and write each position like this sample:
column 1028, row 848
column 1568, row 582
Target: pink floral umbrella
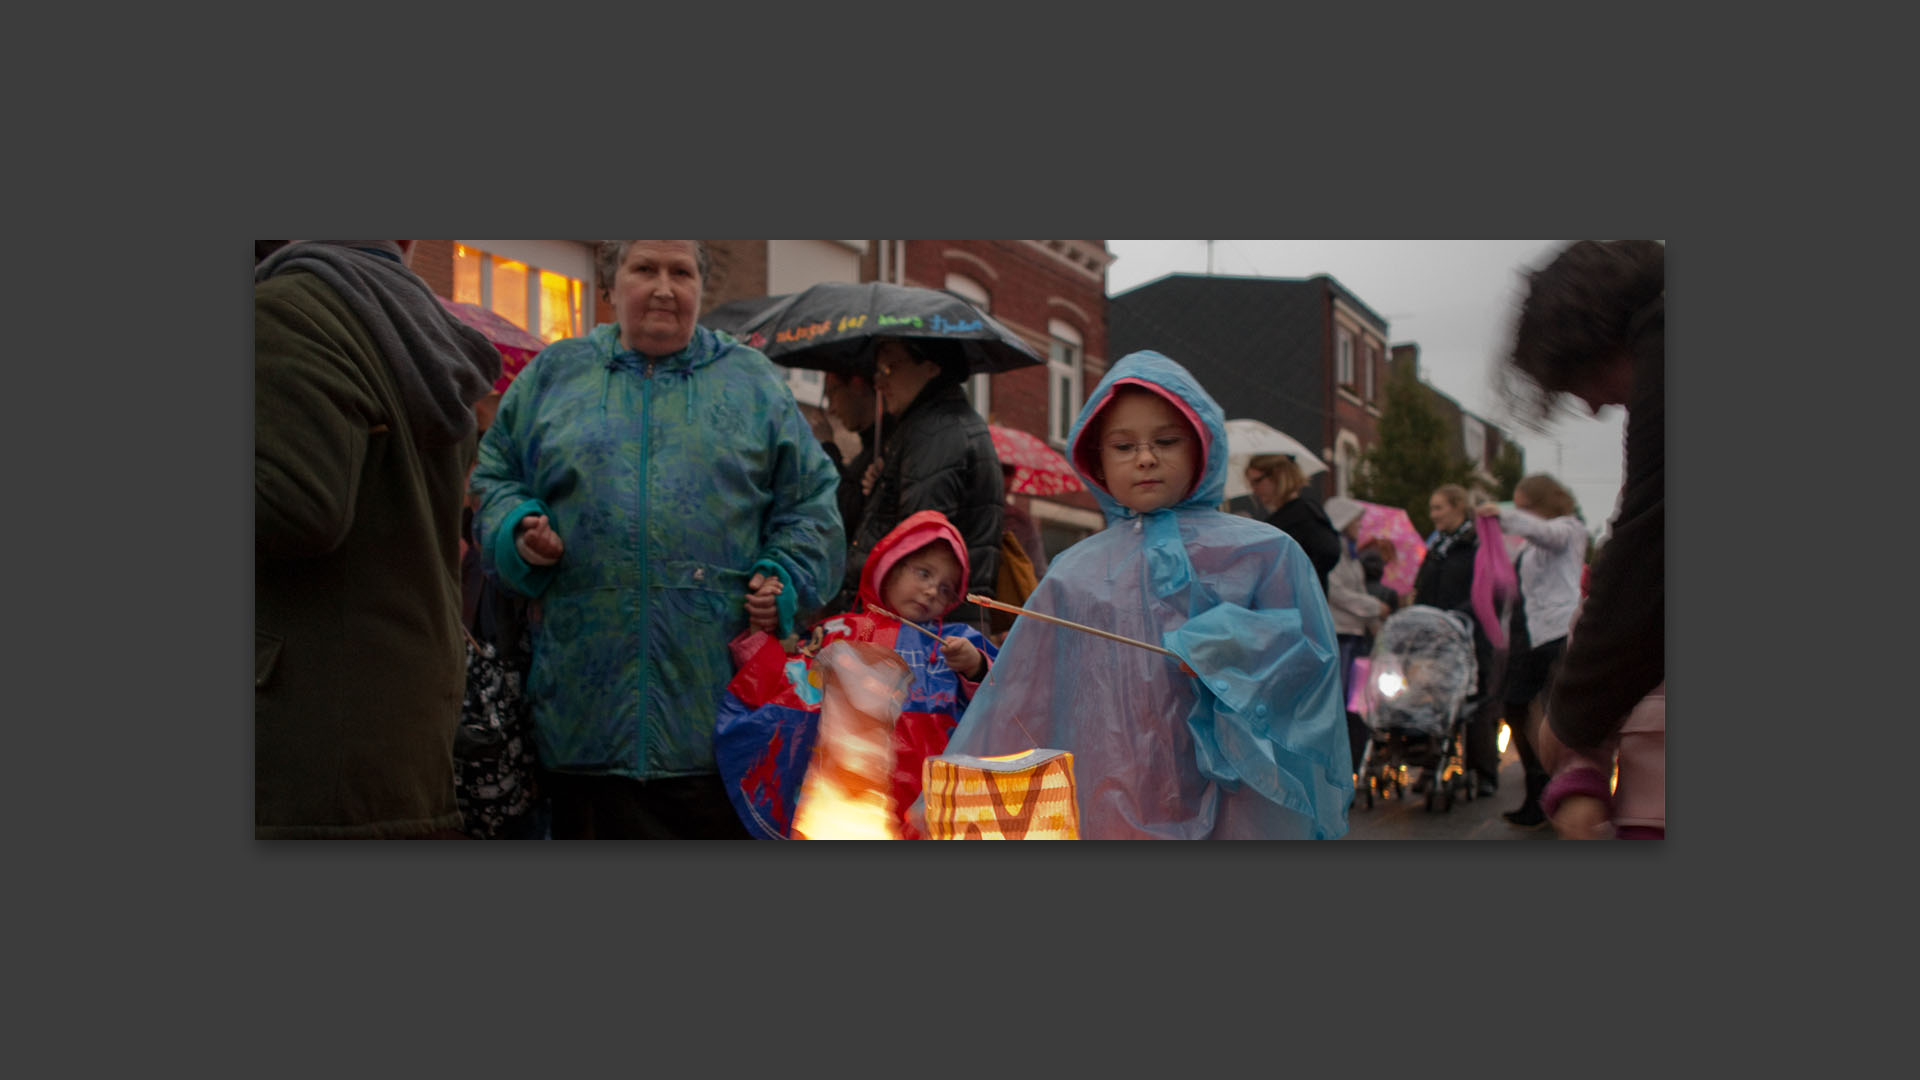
column 1393, row 525
column 516, row 346
column 1038, row 470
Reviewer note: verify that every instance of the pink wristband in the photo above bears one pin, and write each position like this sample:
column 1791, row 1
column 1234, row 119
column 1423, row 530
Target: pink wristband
column 1581, row 781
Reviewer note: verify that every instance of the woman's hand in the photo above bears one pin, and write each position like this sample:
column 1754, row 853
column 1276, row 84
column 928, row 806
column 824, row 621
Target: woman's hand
column 763, row 602
column 962, row 657
column 1487, row 509
column 1582, row 817
column 536, row 541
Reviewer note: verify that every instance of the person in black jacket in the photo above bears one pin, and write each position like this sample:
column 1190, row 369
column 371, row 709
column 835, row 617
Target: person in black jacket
column 1294, row 509
column 935, row 454
column 849, row 403
column 1593, row 325
column 1373, row 563
column 1445, row 581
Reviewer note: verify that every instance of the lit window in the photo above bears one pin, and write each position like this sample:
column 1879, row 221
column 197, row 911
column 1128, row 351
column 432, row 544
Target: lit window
column 510, row 291
column 549, row 305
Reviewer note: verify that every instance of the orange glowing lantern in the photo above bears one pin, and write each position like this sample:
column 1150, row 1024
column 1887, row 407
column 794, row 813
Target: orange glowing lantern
column 1024, row 796
column 847, row 793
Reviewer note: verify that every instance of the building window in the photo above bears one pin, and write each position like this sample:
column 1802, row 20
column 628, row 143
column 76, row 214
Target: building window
column 1371, row 368
column 1343, row 357
column 1346, row 462
column 1064, row 363
column 792, row 266
column 979, row 388
column 1473, row 438
column 548, row 305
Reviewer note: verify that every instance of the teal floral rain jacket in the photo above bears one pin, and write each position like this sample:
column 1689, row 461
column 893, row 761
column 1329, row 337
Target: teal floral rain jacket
column 669, row 482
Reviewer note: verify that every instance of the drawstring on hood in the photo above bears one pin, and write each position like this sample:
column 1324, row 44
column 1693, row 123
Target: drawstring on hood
column 705, row 347
column 441, row 364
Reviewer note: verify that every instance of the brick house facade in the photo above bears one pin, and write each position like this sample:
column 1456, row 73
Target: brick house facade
column 1305, row 356
column 1475, row 438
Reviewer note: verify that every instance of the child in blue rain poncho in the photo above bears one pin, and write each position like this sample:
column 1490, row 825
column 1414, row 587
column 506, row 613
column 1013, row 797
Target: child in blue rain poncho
column 1255, row 746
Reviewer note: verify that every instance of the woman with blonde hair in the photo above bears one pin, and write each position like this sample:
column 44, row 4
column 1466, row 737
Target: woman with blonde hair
column 1293, row 507
column 1545, row 516
column 1446, row 581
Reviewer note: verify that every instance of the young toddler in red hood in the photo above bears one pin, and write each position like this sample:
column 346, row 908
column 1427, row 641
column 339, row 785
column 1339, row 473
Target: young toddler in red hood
column 769, row 715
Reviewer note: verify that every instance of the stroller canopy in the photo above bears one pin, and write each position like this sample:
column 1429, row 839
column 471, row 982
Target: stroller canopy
column 1421, row 671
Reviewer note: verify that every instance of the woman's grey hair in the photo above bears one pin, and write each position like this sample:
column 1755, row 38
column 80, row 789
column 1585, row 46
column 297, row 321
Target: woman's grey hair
column 606, row 261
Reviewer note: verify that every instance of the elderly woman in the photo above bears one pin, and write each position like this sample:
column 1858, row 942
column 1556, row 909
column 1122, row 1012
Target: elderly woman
column 641, row 482
column 1357, row 613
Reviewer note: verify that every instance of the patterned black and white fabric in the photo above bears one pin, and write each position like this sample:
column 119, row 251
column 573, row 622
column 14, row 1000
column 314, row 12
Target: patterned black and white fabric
column 493, row 752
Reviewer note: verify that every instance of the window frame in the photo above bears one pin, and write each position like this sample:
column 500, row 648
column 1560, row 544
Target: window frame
column 581, row 294
column 1064, row 336
column 978, row 388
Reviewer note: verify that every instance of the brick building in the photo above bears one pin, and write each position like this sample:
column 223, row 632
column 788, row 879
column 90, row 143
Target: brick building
column 1305, row 356
column 1477, row 439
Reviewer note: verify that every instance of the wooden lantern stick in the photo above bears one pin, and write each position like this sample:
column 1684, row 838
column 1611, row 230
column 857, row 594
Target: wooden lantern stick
column 878, row 610
column 985, row 602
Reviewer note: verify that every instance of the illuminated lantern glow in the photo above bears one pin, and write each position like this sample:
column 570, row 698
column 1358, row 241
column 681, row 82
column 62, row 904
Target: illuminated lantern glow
column 1024, row 796
column 847, row 793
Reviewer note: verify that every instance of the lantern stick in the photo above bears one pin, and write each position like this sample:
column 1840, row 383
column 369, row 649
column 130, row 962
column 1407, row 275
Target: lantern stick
column 878, row 610
column 984, row 602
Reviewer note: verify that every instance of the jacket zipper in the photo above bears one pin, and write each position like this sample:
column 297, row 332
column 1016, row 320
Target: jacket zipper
column 642, row 743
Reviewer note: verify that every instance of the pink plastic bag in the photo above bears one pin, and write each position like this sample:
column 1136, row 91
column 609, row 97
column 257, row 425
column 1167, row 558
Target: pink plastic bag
column 1494, row 584
column 1357, row 686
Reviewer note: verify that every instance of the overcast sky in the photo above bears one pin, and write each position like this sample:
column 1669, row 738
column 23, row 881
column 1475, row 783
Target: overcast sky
column 1453, row 298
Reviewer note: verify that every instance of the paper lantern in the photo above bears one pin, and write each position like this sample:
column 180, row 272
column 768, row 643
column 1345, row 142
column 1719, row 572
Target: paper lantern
column 848, row 790
column 1024, row 796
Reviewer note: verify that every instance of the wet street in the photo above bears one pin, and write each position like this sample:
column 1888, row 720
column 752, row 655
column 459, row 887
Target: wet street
column 1407, row 817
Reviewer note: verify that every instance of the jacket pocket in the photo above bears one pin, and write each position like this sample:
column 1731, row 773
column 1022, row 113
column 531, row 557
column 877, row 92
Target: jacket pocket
column 266, row 655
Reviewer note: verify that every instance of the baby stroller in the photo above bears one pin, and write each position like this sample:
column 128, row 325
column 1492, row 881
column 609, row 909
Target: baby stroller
column 1418, row 694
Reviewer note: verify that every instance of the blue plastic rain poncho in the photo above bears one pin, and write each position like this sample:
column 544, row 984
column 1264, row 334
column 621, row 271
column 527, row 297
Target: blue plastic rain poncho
column 1256, row 748
column 670, row 482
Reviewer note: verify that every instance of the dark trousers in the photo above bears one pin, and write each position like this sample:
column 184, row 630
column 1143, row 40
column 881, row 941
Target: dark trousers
column 1523, row 729
column 620, row 808
column 1351, row 646
column 1531, row 680
column 1482, row 749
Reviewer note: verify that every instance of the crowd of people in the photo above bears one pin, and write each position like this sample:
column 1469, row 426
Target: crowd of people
column 643, row 532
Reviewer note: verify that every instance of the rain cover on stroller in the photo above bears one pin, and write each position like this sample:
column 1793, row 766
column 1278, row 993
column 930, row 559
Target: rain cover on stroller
column 1421, row 671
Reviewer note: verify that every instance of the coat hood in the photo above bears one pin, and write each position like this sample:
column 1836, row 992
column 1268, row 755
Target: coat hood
column 1342, row 512
column 706, row 346
column 441, row 364
column 916, row 532
column 1161, row 375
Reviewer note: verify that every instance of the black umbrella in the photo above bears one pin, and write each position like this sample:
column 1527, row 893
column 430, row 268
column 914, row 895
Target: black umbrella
column 833, row 326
